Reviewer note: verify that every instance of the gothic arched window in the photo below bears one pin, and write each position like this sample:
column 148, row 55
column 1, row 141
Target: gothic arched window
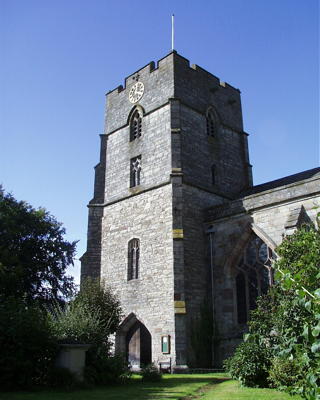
column 211, row 124
column 133, row 259
column 135, row 126
column 254, row 277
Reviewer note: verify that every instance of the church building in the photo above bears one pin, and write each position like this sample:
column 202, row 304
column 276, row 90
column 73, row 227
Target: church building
column 176, row 227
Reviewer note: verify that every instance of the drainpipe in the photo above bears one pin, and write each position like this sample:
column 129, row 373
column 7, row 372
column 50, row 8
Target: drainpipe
column 210, row 233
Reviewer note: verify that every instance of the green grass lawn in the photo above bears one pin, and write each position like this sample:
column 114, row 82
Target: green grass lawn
column 172, row 387
column 231, row 390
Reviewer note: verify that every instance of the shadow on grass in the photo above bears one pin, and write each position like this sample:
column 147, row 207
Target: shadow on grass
column 171, row 387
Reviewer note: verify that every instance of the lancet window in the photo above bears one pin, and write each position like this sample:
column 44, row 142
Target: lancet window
column 135, row 126
column 254, row 276
column 133, row 259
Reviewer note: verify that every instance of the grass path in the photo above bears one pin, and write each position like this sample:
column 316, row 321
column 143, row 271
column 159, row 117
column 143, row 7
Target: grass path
column 172, row 387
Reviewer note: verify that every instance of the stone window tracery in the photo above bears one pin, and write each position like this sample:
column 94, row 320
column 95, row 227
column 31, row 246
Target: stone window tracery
column 135, row 126
column 135, row 171
column 254, row 276
column 133, row 259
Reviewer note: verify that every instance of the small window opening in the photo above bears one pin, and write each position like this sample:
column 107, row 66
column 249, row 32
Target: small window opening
column 210, row 125
column 133, row 259
column 135, row 171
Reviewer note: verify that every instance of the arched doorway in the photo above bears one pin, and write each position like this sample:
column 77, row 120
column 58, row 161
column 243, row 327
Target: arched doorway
column 138, row 345
column 134, row 339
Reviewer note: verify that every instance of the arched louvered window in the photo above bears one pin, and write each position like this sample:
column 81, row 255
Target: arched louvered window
column 133, row 259
column 135, row 126
column 211, row 124
column 254, row 277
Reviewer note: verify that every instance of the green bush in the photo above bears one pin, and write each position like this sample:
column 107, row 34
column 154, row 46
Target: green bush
column 90, row 318
column 27, row 348
column 76, row 323
column 59, row 377
column 286, row 323
column 150, row 373
column 98, row 298
column 285, row 374
column 250, row 364
column 102, row 368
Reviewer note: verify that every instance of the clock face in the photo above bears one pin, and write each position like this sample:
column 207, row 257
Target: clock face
column 136, row 92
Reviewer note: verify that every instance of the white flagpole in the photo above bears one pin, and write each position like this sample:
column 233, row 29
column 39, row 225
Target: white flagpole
column 172, row 32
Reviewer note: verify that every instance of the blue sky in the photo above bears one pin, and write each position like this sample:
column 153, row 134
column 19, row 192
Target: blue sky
column 59, row 58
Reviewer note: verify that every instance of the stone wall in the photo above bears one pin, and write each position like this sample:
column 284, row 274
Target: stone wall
column 198, row 88
column 177, row 202
column 154, row 146
column 158, row 83
column 197, row 273
column 268, row 214
column 147, row 217
column 200, row 152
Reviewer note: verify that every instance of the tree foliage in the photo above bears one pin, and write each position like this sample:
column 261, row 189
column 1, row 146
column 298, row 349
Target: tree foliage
column 298, row 271
column 75, row 323
column 28, row 348
column 97, row 297
column 286, row 323
column 91, row 317
column 34, row 255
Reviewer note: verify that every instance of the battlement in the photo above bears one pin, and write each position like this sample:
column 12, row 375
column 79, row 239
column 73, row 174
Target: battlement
column 171, row 57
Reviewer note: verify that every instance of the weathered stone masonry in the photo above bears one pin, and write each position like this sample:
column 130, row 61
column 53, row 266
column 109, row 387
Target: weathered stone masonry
column 271, row 211
column 195, row 189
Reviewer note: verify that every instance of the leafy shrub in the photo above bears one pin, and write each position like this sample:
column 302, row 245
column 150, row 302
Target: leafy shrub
column 90, row 318
column 97, row 298
column 150, row 373
column 250, row 364
column 286, row 322
column 285, row 373
column 27, row 348
column 59, row 377
column 76, row 323
column 102, row 368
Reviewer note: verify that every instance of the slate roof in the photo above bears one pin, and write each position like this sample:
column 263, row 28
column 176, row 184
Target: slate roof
column 287, row 180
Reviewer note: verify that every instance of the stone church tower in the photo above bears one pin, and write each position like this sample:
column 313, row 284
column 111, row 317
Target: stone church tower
column 173, row 148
